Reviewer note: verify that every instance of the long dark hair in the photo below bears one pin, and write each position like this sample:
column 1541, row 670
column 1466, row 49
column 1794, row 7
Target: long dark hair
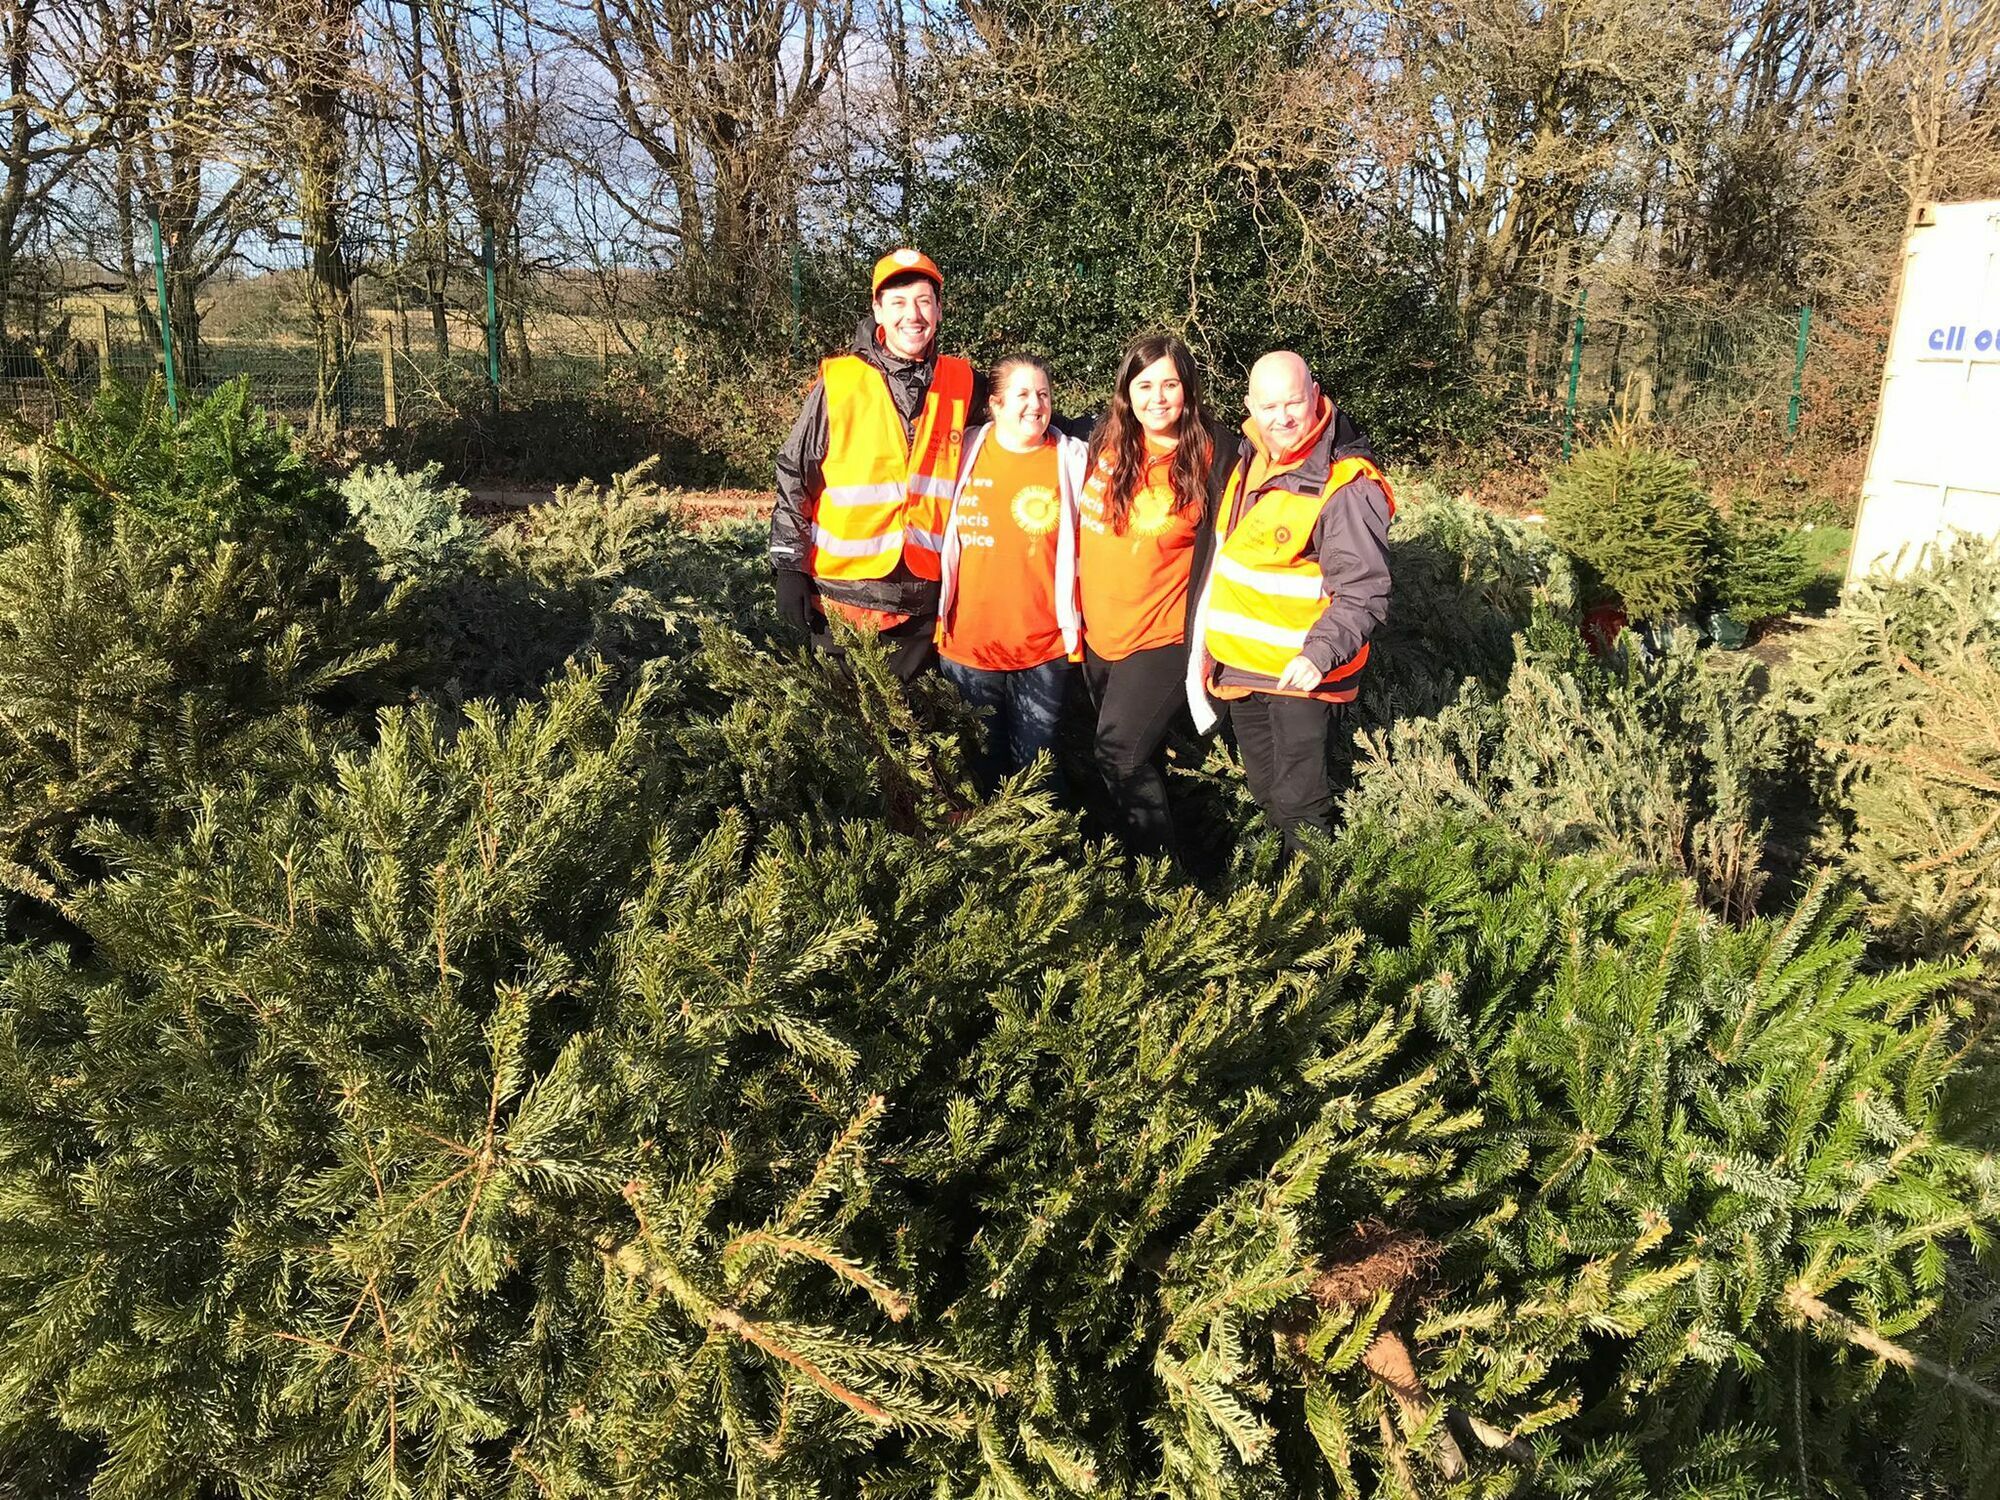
column 1121, row 441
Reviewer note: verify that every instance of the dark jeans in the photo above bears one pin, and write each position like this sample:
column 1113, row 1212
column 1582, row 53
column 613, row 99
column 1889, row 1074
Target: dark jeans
column 1283, row 741
column 1137, row 698
column 912, row 647
column 1026, row 707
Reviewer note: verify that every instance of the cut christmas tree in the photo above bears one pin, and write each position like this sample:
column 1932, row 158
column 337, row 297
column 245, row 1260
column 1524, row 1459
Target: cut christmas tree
column 670, row 1078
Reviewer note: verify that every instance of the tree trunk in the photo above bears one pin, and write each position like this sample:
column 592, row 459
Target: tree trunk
column 321, row 82
column 428, row 242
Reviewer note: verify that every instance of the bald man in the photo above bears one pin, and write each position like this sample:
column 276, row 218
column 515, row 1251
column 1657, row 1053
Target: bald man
column 1297, row 582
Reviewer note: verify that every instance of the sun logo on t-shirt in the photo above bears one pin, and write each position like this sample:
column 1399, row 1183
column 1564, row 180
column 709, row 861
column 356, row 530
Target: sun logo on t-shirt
column 1035, row 509
column 1152, row 509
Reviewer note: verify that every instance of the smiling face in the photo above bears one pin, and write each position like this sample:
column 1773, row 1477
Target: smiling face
column 908, row 317
column 1021, row 408
column 1283, row 402
column 1158, row 397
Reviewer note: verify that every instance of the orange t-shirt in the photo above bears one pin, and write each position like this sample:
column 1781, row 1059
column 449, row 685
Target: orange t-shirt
column 1003, row 607
column 1134, row 587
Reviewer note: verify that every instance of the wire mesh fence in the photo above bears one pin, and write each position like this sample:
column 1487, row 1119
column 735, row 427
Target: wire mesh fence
column 1764, row 381
column 385, row 378
column 1713, row 379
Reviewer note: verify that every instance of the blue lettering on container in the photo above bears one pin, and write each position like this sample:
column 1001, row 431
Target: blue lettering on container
column 1950, row 338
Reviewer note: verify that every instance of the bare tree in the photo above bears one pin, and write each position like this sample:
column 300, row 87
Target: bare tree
column 1524, row 131
column 305, row 59
column 1925, row 110
column 428, row 210
column 719, row 96
column 485, row 72
column 168, row 79
column 43, row 138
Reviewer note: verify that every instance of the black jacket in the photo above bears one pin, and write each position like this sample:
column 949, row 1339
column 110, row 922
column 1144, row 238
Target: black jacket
column 799, row 463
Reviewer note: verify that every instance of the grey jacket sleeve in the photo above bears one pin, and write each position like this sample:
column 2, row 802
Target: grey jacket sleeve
column 1352, row 543
column 798, row 476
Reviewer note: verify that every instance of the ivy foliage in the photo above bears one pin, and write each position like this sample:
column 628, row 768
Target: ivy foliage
column 1135, row 139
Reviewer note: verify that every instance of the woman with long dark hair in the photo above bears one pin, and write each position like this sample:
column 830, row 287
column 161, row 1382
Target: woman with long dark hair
column 1152, row 469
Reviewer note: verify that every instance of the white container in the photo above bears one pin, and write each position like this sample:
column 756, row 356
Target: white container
column 1934, row 467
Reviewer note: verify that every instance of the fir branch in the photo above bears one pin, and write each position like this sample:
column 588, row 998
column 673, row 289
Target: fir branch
column 1810, row 1310
column 752, row 1333
column 844, row 1151
column 847, row 1270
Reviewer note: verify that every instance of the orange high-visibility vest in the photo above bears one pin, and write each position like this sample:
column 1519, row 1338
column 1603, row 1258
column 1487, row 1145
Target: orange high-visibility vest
column 884, row 496
column 1266, row 591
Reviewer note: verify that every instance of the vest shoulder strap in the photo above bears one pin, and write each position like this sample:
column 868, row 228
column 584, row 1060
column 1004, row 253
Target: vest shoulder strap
column 952, row 378
column 1350, row 469
column 843, row 374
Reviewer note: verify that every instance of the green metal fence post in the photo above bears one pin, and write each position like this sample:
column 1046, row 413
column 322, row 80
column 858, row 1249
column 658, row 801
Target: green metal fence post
column 1798, row 374
column 166, row 326
column 1575, row 370
column 492, row 316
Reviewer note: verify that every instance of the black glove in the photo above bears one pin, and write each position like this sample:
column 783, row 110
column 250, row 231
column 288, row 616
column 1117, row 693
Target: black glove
column 795, row 600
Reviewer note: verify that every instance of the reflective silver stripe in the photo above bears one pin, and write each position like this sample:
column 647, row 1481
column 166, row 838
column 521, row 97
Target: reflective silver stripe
column 887, row 493
column 1222, row 622
column 1290, row 585
column 931, row 487
column 930, row 541
column 868, row 546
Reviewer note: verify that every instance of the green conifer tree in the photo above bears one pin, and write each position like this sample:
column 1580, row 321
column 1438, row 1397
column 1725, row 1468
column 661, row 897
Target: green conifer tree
column 628, row 1092
column 669, row 1078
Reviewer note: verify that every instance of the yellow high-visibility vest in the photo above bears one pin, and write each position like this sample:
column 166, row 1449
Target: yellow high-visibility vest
column 883, row 496
column 1266, row 591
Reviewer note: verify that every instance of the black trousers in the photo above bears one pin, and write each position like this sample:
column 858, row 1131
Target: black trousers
column 1283, row 741
column 912, row 646
column 1137, row 698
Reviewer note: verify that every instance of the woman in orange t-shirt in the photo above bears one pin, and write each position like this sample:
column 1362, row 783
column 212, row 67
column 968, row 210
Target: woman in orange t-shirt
column 1140, row 525
column 1007, row 616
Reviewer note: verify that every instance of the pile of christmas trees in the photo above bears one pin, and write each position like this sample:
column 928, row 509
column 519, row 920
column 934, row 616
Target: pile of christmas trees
column 479, row 1022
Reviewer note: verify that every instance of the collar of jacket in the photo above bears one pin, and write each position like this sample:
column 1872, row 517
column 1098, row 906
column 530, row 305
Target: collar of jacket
column 870, row 347
column 1307, row 474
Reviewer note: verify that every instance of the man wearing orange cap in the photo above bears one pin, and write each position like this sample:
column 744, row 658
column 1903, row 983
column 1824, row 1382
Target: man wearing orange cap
column 865, row 477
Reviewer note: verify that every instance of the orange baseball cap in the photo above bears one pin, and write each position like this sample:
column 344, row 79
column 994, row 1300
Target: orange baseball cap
column 900, row 262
